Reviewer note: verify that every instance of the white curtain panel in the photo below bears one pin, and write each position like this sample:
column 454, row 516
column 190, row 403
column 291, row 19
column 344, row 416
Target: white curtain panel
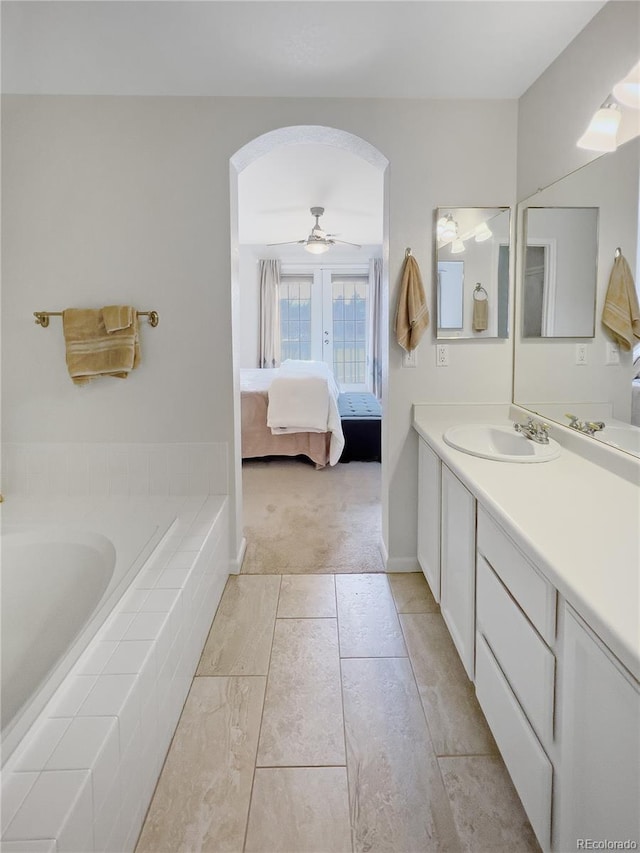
column 376, row 330
column 269, row 272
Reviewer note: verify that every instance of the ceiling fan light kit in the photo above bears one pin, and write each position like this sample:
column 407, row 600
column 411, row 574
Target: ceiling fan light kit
column 318, row 240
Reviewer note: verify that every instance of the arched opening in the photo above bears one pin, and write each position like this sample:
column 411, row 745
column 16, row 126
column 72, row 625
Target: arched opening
column 306, row 135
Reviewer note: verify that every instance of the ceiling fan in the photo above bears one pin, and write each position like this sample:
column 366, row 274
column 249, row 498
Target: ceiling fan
column 318, row 240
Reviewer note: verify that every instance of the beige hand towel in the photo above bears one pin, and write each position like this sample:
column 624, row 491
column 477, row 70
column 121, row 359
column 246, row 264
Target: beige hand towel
column 621, row 313
column 412, row 316
column 480, row 314
column 117, row 317
column 92, row 351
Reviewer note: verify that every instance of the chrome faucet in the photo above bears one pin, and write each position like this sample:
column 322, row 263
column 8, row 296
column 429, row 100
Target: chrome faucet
column 535, row 430
column 588, row 427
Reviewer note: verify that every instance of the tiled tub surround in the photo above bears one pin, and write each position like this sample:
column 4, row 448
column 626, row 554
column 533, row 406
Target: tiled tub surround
column 97, row 469
column 82, row 778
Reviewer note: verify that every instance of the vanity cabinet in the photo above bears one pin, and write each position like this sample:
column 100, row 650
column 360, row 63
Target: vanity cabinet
column 599, row 774
column 516, row 667
column 564, row 711
column 429, row 467
column 457, row 566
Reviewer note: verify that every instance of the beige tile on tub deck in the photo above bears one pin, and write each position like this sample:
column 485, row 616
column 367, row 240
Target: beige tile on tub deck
column 367, row 618
column 239, row 642
column 456, row 723
column 398, row 801
column 411, row 593
column 302, row 723
column 202, row 798
column 307, row 596
column 299, row 809
column 486, row 809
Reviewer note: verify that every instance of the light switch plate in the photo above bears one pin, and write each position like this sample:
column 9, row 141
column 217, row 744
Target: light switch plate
column 613, row 353
column 410, row 359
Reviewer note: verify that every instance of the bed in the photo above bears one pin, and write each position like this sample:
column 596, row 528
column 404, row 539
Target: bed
column 291, row 410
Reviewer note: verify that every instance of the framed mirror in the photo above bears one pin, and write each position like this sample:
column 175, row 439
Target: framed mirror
column 472, row 272
column 589, row 377
column 559, row 274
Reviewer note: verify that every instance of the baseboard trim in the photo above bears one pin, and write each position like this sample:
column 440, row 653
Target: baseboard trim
column 402, row 564
column 383, row 552
column 236, row 564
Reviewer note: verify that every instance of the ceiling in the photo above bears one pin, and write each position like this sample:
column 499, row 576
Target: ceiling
column 290, row 48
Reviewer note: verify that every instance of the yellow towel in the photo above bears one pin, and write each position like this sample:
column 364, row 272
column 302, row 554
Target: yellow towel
column 480, row 314
column 621, row 313
column 117, row 317
column 412, row 316
column 92, row 351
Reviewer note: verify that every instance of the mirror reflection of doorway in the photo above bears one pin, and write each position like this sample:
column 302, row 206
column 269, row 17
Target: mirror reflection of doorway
column 534, row 291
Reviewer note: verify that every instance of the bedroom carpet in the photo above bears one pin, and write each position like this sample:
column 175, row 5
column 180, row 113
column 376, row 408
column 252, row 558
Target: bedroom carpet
column 300, row 520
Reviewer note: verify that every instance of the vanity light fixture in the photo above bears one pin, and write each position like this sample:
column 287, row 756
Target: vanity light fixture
column 482, row 233
column 457, row 246
column 602, row 130
column 447, row 228
column 627, row 91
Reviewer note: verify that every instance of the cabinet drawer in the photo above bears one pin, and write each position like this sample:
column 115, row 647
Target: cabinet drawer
column 535, row 595
column 529, row 666
column 526, row 761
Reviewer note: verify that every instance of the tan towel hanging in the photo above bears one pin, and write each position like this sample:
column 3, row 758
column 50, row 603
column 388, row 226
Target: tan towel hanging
column 621, row 313
column 92, row 351
column 412, row 315
column 480, row 313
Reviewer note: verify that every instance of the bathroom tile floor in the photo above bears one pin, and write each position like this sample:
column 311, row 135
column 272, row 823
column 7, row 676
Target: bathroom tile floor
column 330, row 713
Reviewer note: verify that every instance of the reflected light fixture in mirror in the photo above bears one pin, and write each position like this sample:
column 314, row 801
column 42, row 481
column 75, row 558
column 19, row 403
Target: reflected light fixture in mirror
column 457, row 246
column 627, row 91
column 603, row 129
column 482, row 233
column 447, row 228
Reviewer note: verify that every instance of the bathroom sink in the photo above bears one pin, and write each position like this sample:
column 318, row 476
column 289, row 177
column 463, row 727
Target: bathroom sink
column 501, row 443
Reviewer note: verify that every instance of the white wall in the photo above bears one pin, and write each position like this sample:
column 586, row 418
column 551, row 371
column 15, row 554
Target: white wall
column 555, row 111
column 127, row 199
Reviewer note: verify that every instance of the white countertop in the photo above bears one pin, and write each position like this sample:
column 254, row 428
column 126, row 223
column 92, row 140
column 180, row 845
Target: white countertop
column 578, row 522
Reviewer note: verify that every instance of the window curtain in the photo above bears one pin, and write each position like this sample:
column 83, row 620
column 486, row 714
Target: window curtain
column 376, row 326
column 269, row 272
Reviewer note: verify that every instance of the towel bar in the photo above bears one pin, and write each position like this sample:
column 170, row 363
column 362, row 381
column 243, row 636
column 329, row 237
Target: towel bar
column 42, row 317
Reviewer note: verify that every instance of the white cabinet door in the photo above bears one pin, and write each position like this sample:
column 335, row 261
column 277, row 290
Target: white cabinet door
column 599, row 779
column 458, row 562
column 429, row 516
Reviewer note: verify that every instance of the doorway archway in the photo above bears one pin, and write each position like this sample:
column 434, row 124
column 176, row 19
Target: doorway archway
column 241, row 160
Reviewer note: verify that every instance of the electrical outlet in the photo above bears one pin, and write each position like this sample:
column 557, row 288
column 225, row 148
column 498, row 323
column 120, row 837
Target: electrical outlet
column 581, row 353
column 613, row 353
column 442, row 355
column 410, row 359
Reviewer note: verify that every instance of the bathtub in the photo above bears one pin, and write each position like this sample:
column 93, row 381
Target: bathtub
column 59, row 583
column 137, row 582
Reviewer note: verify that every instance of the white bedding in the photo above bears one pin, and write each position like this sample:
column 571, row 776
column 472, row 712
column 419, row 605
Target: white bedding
column 303, row 397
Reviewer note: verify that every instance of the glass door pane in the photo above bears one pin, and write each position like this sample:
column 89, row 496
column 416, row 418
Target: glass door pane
column 348, row 344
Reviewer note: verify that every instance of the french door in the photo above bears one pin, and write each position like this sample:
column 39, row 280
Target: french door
column 325, row 315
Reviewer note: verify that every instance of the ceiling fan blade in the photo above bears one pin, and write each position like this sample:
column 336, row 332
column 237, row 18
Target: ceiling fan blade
column 287, row 243
column 346, row 243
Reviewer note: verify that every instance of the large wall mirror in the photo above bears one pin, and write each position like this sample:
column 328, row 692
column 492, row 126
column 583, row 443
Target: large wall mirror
column 472, row 272
column 560, row 272
column 576, row 369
